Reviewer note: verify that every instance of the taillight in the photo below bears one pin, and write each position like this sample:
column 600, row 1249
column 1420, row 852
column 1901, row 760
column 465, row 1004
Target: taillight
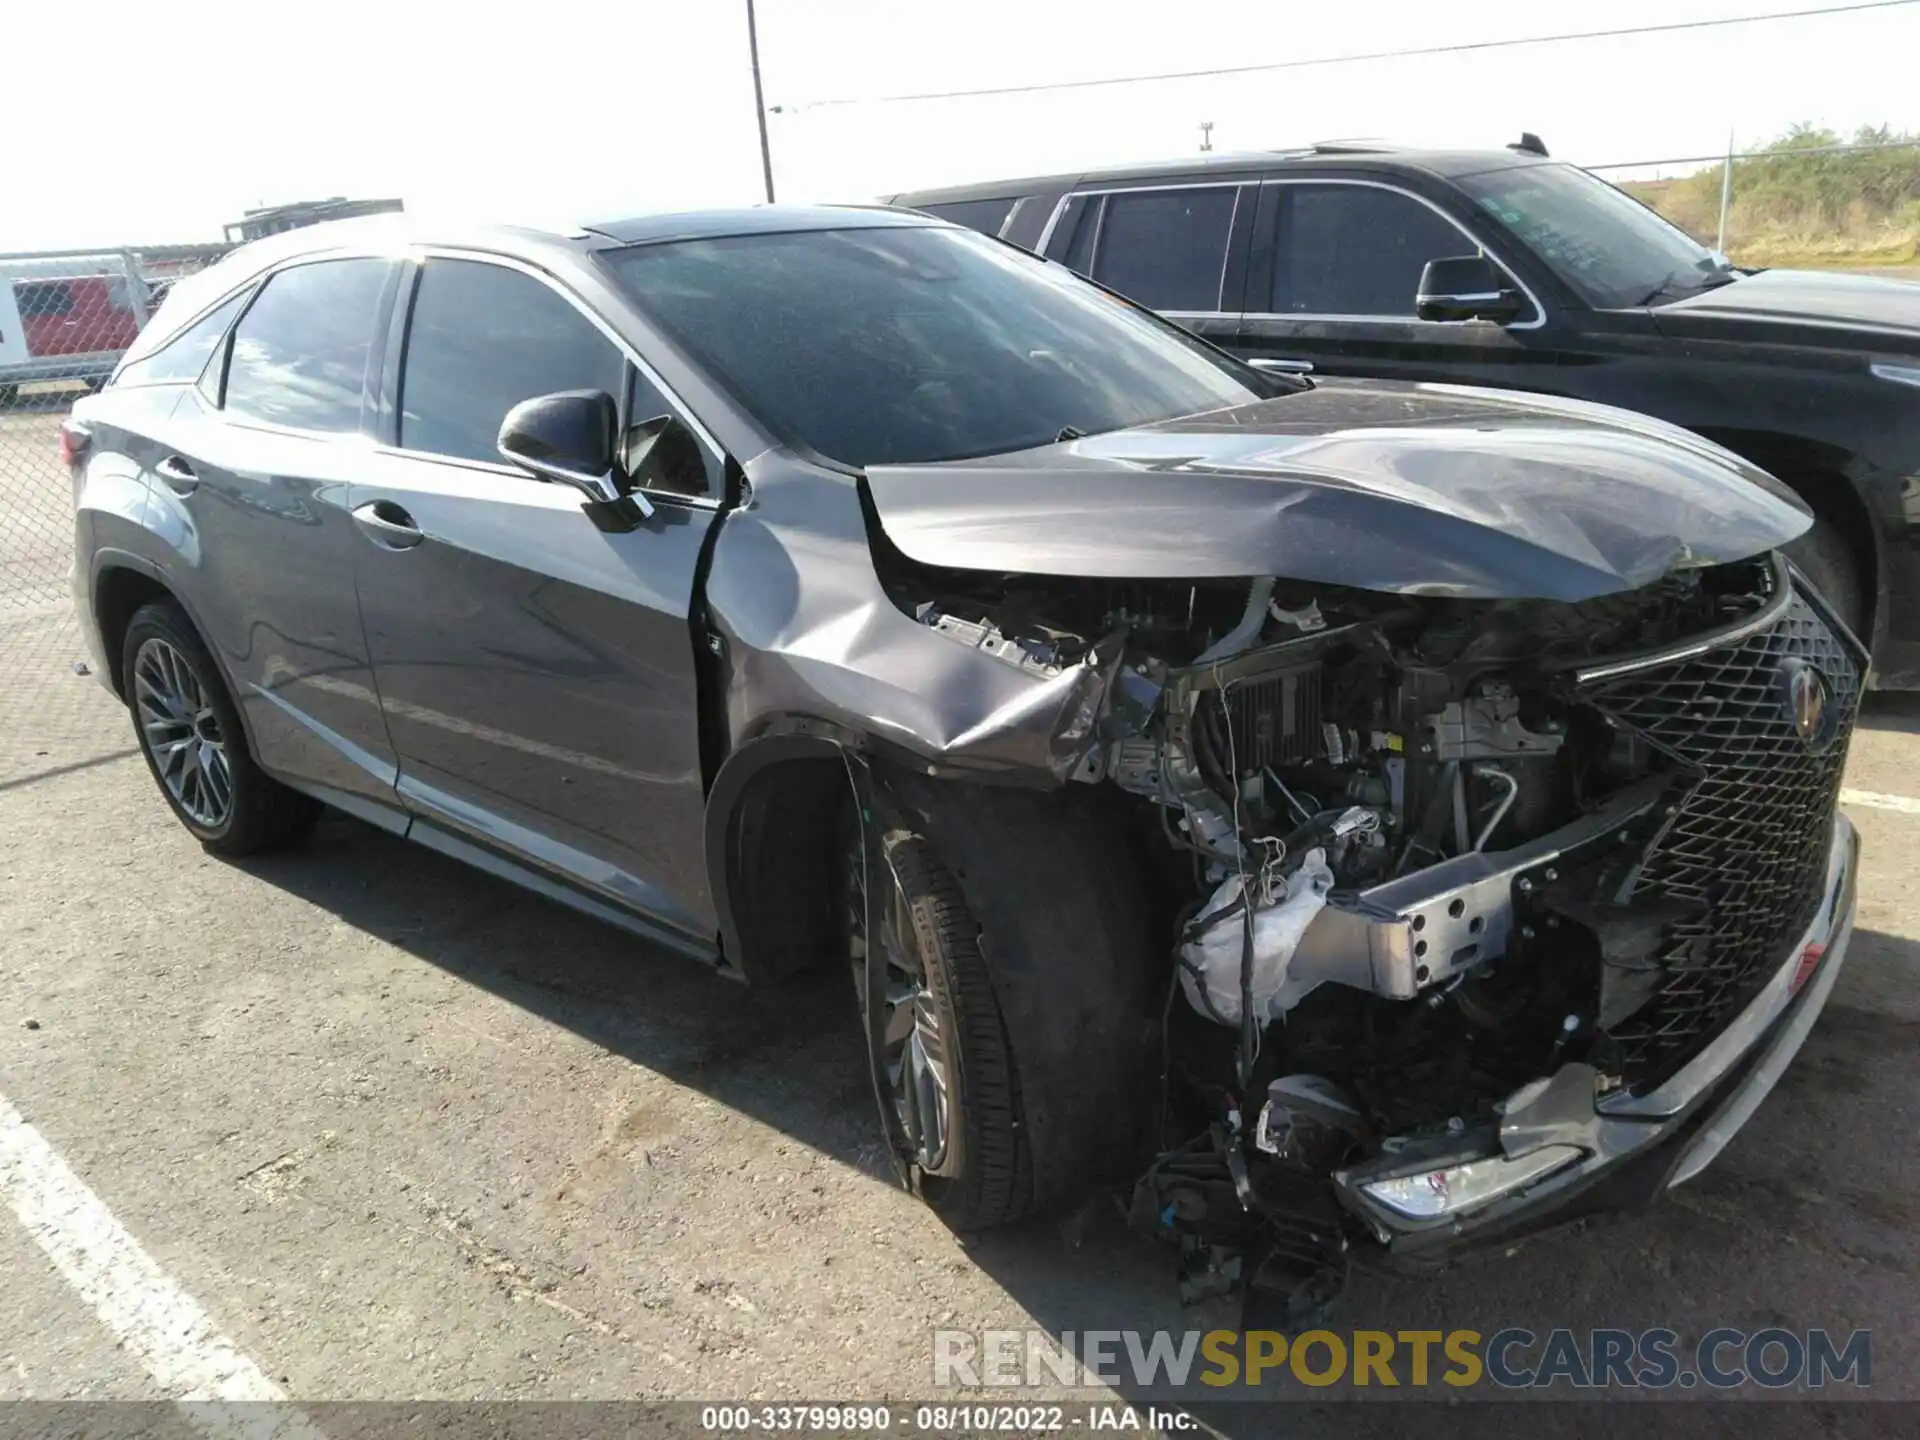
column 74, row 441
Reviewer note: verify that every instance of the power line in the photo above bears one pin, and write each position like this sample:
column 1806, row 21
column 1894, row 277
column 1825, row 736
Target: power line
column 1758, row 155
column 1457, row 49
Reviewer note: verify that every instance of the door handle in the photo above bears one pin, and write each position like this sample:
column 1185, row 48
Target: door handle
column 1283, row 367
column 178, row 475
column 387, row 525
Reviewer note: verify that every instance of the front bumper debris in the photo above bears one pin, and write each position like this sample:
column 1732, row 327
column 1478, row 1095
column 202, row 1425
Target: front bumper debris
column 1564, row 1151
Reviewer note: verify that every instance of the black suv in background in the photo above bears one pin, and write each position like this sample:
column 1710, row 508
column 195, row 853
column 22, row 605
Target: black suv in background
column 1506, row 268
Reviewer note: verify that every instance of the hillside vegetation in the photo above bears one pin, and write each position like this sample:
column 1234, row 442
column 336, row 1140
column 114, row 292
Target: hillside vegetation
column 1855, row 209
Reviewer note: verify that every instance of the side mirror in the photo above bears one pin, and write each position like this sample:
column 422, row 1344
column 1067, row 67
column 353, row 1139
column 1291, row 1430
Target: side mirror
column 567, row 438
column 1466, row 287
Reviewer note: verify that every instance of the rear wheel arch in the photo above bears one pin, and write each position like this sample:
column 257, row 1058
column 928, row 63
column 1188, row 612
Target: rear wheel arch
column 194, row 742
column 120, row 588
column 122, row 583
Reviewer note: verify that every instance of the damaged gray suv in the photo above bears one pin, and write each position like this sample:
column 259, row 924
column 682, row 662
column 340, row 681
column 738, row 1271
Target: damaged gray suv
column 1356, row 814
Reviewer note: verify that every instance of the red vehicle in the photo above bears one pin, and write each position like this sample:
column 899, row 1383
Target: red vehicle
column 63, row 327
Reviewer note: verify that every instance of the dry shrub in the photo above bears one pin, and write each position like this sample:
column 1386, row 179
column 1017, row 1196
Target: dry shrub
column 1849, row 208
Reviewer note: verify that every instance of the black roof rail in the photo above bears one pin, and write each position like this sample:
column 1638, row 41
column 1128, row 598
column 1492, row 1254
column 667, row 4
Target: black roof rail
column 1352, row 147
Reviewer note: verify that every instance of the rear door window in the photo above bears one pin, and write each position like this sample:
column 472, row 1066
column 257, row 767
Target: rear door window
column 482, row 339
column 1356, row 250
column 299, row 355
column 1166, row 249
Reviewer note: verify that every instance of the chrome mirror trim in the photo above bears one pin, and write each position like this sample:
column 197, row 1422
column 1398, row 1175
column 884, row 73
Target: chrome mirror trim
column 601, row 489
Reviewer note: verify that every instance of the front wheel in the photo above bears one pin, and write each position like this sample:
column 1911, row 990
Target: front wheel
column 1826, row 559
column 942, row 1066
column 1005, row 974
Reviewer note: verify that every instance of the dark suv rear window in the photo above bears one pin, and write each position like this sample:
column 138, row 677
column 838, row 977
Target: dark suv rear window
column 986, row 216
column 1166, row 248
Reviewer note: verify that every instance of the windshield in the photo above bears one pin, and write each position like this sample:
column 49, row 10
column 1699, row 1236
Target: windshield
column 914, row 344
column 1601, row 241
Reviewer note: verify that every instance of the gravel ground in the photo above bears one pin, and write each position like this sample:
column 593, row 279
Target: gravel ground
column 406, row 1132
column 36, row 504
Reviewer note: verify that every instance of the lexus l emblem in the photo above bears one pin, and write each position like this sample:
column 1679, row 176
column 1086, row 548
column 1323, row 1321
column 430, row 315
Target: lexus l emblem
column 1806, row 700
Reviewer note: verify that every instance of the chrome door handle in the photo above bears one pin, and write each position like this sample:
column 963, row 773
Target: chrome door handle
column 387, row 525
column 1283, row 367
column 178, row 475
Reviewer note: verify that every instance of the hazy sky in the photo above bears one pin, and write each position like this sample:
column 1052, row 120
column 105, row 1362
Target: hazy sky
column 137, row 120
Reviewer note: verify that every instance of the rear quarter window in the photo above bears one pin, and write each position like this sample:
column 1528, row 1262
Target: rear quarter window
column 184, row 356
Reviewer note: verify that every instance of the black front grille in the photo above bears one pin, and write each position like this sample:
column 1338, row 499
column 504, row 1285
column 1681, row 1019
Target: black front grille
column 1746, row 850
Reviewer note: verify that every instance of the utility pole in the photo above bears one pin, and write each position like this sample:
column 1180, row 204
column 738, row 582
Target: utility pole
column 1726, row 197
column 759, row 102
column 1206, row 135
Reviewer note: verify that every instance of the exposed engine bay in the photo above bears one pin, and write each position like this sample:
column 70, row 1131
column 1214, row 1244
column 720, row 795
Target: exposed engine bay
column 1345, row 792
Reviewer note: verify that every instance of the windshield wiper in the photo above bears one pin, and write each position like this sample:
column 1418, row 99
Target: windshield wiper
column 1678, row 280
column 1068, row 432
column 1665, row 287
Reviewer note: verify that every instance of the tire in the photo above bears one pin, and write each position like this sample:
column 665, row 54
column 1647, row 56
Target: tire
column 1035, row 967
column 195, row 746
column 1826, row 559
column 970, row 1163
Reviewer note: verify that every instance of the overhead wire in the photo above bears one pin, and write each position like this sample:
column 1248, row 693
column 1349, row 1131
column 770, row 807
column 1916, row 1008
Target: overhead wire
column 1305, row 62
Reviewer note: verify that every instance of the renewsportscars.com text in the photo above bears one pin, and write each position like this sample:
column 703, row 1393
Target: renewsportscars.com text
column 1512, row 1358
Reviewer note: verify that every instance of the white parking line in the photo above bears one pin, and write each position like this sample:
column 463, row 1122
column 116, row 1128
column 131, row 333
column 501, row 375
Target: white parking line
column 1877, row 800
column 157, row 1321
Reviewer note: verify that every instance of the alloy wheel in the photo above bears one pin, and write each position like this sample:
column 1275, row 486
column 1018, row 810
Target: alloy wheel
column 182, row 734
column 908, row 1041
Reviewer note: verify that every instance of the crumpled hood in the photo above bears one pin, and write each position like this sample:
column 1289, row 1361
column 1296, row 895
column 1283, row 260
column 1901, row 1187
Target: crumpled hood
column 1414, row 489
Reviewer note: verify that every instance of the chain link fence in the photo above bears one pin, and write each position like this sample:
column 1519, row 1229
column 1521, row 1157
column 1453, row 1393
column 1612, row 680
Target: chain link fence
column 1842, row 205
column 65, row 320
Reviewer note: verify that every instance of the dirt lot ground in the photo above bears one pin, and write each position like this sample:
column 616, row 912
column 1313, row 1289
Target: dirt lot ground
column 403, row 1131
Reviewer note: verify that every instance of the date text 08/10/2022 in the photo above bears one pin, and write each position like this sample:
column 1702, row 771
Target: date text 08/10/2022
column 946, row 1419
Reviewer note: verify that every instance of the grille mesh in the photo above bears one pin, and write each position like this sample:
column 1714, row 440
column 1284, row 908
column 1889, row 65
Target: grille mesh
column 1748, row 845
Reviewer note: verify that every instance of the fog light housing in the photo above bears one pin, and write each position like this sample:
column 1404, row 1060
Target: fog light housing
column 1456, row 1189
